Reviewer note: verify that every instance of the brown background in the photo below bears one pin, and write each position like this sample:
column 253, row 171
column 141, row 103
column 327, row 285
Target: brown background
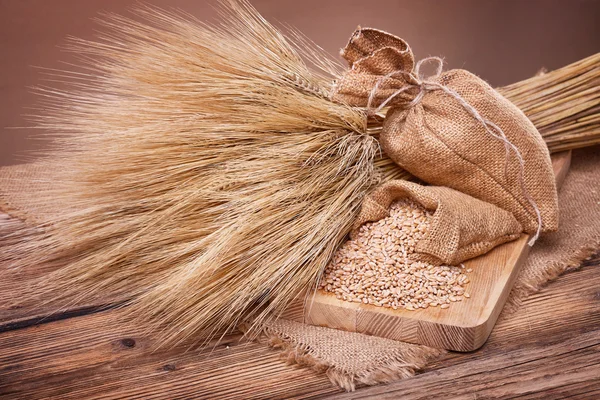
column 502, row 41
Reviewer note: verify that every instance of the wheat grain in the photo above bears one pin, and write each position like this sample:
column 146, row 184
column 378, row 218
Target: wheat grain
column 378, row 266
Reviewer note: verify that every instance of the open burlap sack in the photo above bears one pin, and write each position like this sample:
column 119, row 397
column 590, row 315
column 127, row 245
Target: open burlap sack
column 452, row 130
column 461, row 227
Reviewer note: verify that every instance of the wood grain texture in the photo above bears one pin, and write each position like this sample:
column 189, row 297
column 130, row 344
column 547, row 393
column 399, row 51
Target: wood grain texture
column 548, row 348
column 464, row 326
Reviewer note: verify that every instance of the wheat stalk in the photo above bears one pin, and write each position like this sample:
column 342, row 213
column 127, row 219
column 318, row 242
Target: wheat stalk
column 564, row 104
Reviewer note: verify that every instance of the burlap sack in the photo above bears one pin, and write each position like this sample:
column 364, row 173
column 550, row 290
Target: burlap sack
column 462, row 227
column 432, row 129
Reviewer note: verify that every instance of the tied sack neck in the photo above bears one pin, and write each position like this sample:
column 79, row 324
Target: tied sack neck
column 451, row 129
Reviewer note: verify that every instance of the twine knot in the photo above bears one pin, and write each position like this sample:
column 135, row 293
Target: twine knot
column 423, row 85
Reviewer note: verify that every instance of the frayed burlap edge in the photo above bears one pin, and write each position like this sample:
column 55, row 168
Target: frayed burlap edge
column 15, row 193
column 391, row 367
column 7, row 209
column 552, row 271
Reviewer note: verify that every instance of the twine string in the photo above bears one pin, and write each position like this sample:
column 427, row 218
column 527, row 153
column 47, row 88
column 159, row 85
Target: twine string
column 426, row 85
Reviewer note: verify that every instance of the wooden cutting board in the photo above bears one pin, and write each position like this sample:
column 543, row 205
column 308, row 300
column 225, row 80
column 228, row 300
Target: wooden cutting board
column 465, row 326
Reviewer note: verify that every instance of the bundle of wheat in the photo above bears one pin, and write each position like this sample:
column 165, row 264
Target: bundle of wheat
column 564, row 104
column 206, row 176
column 210, row 177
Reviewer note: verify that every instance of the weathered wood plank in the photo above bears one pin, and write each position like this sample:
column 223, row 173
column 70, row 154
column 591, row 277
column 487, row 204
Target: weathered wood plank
column 556, row 368
column 550, row 344
column 93, row 357
column 90, row 356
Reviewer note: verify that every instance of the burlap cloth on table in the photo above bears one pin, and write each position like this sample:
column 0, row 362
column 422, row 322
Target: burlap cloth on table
column 351, row 358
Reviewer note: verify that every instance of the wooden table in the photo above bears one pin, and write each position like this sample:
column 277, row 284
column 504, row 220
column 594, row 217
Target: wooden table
column 550, row 348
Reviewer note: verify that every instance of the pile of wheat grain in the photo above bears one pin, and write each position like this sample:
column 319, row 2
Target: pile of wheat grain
column 378, row 266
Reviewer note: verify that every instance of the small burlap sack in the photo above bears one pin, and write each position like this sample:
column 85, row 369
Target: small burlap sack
column 462, row 227
column 452, row 130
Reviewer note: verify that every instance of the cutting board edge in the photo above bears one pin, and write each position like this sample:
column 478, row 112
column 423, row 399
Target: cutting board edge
column 355, row 317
